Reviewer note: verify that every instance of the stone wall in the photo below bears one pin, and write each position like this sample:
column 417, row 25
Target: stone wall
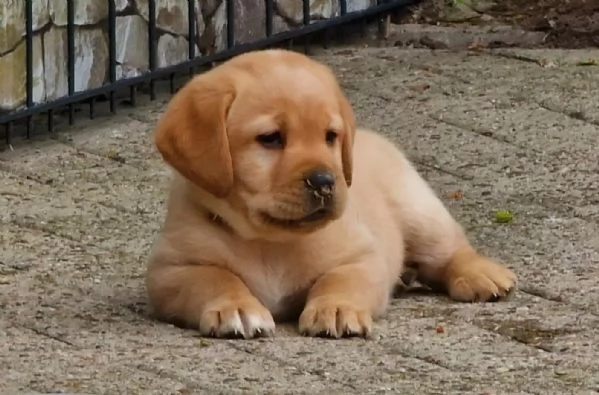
column 50, row 79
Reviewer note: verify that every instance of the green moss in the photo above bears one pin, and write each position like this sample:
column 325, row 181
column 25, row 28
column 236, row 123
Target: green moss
column 504, row 216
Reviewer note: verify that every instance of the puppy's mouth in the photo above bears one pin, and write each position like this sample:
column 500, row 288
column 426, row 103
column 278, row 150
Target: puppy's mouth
column 315, row 217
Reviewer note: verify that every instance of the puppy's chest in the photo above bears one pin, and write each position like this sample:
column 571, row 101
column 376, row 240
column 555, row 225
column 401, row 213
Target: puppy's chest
column 281, row 280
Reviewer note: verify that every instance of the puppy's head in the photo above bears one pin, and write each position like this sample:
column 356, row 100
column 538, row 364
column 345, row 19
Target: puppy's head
column 267, row 137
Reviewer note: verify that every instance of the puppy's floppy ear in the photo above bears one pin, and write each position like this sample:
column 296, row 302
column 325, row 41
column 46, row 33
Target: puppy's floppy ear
column 192, row 135
column 347, row 144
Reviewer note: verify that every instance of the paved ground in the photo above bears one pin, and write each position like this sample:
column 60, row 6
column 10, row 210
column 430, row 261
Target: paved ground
column 517, row 131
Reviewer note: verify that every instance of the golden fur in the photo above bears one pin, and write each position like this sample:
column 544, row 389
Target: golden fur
column 249, row 240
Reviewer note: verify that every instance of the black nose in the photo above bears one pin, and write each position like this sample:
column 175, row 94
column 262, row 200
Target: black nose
column 320, row 181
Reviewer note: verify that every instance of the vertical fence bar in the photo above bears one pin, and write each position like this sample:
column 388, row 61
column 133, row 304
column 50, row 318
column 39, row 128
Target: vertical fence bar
column 343, row 7
column 171, row 81
column 112, row 50
column 364, row 28
column 326, row 39
column 382, row 20
column 152, row 41
column 230, row 23
column 133, row 88
column 269, row 17
column 92, row 108
column 133, row 95
column 306, row 20
column 51, row 121
column 71, row 55
column 342, row 12
column 191, row 32
column 306, row 11
column 7, row 132
column 29, row 59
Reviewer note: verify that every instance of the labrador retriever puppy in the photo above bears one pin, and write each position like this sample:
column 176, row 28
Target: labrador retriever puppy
column 281, row 207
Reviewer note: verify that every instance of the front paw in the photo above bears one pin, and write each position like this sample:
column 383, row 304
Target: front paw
column 335, row 317
column 246, row 318
column 478, row 279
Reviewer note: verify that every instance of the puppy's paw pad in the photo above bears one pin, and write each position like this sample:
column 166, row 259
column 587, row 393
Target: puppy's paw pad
column 243, row 319
column 482, row 280
column 334, row 320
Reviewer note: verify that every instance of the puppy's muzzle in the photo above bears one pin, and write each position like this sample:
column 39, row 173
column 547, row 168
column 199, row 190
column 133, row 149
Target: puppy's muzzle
column 320, row 185
column 319, row 188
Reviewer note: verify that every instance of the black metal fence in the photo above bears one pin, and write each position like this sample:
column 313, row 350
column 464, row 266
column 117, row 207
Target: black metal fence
column 24, row 115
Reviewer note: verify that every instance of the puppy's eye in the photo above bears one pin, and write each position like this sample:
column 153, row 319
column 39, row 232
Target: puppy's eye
column 331, row 137
column 271, row 140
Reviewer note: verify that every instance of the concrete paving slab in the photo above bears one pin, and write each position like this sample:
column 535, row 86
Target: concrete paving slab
column 490, row 130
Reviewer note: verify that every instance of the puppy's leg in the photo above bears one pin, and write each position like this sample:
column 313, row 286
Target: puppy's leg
column 344, row 301
column 209, row 298
column 438, row 247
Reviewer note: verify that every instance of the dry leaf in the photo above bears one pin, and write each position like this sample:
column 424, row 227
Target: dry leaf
column 420, row 88
column 457, row 195
column 476, row 46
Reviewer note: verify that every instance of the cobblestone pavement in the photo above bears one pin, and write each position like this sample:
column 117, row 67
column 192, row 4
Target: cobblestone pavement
column 514, row 130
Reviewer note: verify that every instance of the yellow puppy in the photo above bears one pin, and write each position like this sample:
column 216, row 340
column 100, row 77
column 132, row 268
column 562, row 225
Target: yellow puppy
column 280, row 207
